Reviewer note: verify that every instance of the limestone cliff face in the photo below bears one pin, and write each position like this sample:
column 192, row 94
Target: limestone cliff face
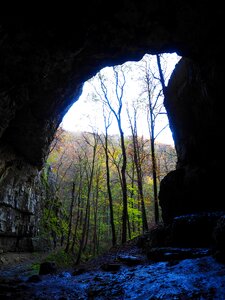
column 21, row 191
column 44, row 61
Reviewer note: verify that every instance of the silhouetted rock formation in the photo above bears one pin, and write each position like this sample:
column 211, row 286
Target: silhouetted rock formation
column 45, row 60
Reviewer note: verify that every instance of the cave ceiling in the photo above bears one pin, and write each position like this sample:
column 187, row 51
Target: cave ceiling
column 46, row 57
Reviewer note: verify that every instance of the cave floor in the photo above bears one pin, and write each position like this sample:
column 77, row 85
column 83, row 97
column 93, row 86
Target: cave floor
column 121, row 274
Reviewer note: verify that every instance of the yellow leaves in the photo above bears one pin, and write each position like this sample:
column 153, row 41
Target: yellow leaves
column 148, row 180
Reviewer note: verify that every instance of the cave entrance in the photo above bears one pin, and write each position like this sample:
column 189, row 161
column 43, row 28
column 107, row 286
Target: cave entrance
column 86, row 113
column 108, row 158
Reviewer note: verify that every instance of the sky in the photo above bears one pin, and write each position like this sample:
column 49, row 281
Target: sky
column 85, row 114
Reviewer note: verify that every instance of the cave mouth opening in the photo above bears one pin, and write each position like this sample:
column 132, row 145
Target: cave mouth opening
column 86, row 113
column 87, row 157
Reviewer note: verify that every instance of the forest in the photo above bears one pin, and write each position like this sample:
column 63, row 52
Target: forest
column 101, row 188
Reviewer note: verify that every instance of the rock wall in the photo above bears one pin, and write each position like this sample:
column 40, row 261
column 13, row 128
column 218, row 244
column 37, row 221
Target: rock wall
column 46, row 58
column 195, row 116
column 21, row 192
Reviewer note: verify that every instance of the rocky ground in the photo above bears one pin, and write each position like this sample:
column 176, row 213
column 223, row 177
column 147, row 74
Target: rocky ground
column 123, row 273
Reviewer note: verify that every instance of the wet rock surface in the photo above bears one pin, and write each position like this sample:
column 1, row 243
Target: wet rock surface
column 198, row 276
column 173, row 254
column 195, row 230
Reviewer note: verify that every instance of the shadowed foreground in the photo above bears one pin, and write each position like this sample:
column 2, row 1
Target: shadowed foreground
column 124, row 273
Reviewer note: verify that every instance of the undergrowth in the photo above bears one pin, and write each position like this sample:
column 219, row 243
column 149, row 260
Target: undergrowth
column 59, row 257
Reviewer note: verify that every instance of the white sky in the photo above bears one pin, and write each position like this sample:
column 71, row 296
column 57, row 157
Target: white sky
column 85, row 114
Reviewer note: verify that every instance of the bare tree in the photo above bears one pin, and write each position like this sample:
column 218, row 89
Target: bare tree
column 107, row 123
column 120, row 81
column 153, row 92
column 89, row 176
column 138, row 166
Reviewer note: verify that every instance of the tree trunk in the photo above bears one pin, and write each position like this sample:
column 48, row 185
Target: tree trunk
column 153, row 158
column 124, row 187
column 95, row 235
column 70, row 217
column 154, row 173
column 109, row 191
column 137, row 162
column 85, row 233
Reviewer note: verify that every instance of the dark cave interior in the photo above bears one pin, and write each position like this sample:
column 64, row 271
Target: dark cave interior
column 44, row 63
